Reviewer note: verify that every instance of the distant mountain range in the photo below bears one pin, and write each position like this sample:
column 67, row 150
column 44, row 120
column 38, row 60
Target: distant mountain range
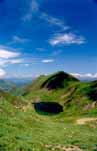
column 9, row 84
column 87, row 79
column 6, row 85
column 21, row 81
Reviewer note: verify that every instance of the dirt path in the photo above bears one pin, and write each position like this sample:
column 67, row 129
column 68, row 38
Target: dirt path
column 62, row 148
column 83, row 121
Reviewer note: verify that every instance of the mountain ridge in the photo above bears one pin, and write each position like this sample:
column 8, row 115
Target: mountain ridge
column 63, row 88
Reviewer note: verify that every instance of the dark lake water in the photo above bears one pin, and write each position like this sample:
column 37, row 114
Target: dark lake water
column 48, row 108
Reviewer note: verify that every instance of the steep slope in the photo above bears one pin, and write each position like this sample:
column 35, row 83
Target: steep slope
column 84, row 98
column 58, row 80
column 92, row 93
column 54, row 81
column 72, row 94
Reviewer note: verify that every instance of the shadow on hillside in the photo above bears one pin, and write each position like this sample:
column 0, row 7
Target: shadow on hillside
column 57, row 81
column 48, row 108
column 92, row 94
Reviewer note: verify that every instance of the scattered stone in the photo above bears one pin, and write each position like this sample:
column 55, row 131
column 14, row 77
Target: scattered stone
column 63, row 148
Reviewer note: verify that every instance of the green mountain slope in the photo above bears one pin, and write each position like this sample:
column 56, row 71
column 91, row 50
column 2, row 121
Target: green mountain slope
column 63, row 88
column 57, row 80
column 25, row 124
column 9, row 103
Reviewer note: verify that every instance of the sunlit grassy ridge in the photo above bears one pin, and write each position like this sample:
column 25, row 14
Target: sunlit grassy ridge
column 65, row 89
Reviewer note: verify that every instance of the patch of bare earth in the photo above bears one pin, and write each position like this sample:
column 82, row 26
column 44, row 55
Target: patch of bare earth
column 83, row 121
column 25, row 108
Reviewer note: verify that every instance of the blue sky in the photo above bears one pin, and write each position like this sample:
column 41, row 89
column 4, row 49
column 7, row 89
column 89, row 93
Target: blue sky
column 41, row 37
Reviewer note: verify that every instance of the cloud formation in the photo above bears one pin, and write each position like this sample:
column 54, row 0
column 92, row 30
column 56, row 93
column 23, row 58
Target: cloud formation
column 17, row 39
column 4, row 53
column 7, row 57
column 33, row 7
column 85, row 76
column 2, row 73
column 15, row 61
column 54, row 21
column 58, row 38
column 47, row 60
column 66, row 39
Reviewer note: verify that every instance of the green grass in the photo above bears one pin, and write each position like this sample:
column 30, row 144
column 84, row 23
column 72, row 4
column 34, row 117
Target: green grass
column 24, row 129
column 29, row 131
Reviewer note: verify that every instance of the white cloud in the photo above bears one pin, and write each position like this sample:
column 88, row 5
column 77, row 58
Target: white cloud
column 33, row 7
column 6, row 62
column 17, row 39
column 2, row 73
column 57, row 39
column 15, row 61
column 54, row 21
column 6, row 54
column 87, row 75
column 2, row 62
column 66, row 39
column 26, row 65
column 47, row 60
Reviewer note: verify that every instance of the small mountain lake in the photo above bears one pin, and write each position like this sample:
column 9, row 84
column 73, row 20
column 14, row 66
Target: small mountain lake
column 48, row 108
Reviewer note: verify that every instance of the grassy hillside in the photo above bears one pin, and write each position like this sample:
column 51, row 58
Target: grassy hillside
column 54, row 81
column 29, row 123
column 72, row 94
column 9, row 103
